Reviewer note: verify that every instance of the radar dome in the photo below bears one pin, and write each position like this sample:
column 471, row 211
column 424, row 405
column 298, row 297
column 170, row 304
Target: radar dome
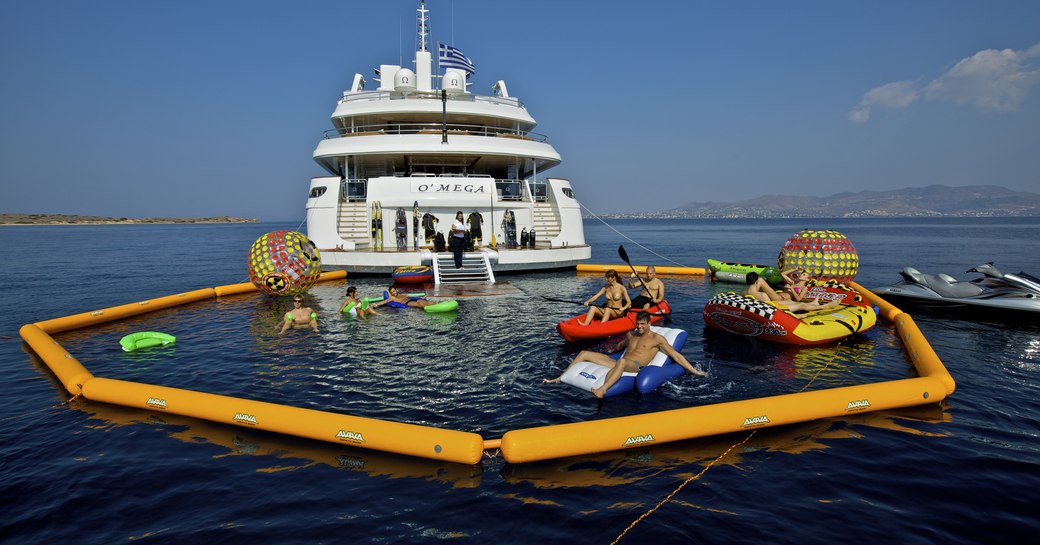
column 454, row 81
column 404, row 80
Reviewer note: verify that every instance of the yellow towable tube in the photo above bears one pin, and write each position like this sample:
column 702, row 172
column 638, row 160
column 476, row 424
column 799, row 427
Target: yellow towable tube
column 661, row 269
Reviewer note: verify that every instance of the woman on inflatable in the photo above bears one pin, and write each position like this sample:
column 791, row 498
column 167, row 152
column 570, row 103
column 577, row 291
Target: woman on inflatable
column 354, row 306
column 617, row 300
column 761, row 290
column 396, row 299
column 796, row 281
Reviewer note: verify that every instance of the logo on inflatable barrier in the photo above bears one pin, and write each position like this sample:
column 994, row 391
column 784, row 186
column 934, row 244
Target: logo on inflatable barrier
column 755, row 421
column 156, row 403
column 587, row 375
column 350, row 436
column 245, row 418
column 858, row 405
column 639, row 439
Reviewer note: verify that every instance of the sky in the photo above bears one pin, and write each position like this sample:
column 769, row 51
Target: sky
column 191, row 108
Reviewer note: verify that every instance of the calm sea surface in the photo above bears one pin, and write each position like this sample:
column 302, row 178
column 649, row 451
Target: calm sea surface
column 965, row 471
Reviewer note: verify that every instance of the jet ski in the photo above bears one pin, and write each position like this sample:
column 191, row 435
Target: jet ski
column 995, row 292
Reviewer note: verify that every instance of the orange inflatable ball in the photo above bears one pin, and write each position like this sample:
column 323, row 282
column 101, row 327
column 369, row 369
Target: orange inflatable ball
column 825, row 255
column 284, row 263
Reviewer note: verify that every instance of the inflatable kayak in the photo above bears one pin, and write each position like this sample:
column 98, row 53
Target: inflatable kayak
column 412, row 274
column 571, row 329
column 773, row 321
column 145, row 339
column 587, row 375
column 726, row 271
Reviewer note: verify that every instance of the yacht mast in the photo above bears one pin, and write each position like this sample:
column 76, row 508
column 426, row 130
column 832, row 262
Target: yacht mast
column 423, row 59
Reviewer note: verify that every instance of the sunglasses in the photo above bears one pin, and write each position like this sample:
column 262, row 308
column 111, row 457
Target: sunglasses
column 297, row 300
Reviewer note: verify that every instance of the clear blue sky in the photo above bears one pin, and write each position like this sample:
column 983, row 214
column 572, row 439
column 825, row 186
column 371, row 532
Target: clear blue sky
column 197, row 108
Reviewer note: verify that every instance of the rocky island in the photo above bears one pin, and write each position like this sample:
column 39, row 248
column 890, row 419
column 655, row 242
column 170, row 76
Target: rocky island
column 72, row 219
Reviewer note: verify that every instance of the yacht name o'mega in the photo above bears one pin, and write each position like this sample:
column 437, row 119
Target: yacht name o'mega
column 405, row 157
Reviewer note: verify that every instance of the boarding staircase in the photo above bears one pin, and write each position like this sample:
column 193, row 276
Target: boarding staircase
column 476, row 269
column 353, row 225
column 546, row 223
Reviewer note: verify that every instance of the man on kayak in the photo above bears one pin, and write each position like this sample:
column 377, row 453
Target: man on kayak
column 653, row 289
column 642, row 345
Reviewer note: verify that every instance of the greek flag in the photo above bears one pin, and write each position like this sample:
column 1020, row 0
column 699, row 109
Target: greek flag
column 450, row 57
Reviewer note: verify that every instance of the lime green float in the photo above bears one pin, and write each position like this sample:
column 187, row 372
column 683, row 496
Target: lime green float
column 145, row 339
column 726, row 271
column 443, row 306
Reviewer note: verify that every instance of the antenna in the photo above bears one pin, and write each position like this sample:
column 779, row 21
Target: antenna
column 424, row 25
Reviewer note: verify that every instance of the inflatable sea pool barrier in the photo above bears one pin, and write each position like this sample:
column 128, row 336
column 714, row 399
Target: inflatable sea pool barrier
column 586, row 375
column 599, row 268
column 933, row 384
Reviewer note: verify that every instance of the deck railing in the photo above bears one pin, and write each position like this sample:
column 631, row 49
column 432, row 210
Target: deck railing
column 454, row 129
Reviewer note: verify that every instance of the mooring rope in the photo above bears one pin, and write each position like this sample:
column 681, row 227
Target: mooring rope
column 719, row 457
column 624, row 236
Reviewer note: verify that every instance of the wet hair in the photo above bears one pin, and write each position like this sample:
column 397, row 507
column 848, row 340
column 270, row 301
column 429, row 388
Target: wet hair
column 643, row 316
column 351, row 290
column 611, row 273
column 752, row 277
column 651, row 268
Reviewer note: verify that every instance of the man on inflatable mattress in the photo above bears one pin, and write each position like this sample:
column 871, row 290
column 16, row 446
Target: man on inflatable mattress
column 642, row 345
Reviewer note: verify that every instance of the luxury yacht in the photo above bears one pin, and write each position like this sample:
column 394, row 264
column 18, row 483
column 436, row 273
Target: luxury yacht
column 405, row 157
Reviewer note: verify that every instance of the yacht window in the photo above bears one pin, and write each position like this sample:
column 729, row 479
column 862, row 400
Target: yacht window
column 569, row 192
column 317, row 192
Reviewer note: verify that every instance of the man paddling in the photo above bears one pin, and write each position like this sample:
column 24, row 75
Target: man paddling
column 642, row 344
column 653, row 289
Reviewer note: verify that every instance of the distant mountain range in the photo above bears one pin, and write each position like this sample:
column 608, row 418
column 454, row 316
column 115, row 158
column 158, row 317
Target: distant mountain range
column 930, row 201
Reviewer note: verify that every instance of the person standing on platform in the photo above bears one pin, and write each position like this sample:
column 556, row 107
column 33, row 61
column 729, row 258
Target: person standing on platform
column 458, row 238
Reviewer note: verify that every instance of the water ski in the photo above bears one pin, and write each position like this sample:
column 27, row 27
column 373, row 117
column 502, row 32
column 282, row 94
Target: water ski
column 415, row 225
column 401, row 229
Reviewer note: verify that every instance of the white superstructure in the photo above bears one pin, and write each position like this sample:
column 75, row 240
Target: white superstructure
column 424, row 138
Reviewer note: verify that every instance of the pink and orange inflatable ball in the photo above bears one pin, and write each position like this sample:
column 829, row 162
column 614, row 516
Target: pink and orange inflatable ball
column 284, row 263
column 825, row 255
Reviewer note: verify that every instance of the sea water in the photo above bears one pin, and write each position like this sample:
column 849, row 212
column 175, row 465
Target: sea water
column 962, row 471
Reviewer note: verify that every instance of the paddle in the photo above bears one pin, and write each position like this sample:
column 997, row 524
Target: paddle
column 624, row 256
column 566, row 301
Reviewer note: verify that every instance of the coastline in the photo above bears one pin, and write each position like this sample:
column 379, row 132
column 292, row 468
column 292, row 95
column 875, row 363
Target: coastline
column 15, row 220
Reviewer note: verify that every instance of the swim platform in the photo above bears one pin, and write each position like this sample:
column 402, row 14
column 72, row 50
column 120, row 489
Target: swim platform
column 933, row 384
